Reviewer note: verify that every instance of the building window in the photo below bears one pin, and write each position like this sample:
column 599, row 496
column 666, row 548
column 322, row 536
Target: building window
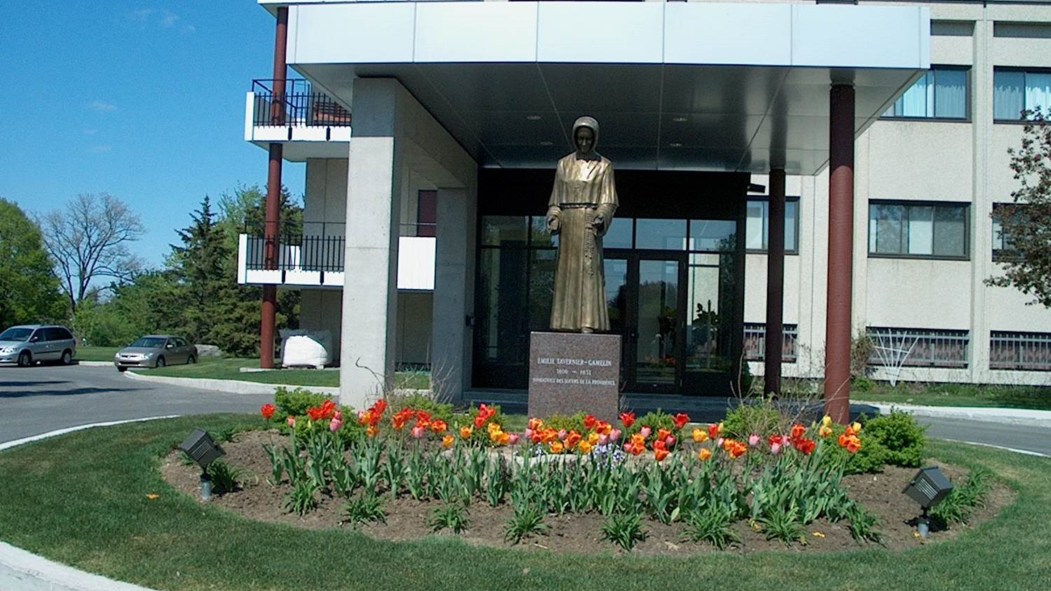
column 1003, row 243
column 940, row 94
column 1017, row 91
column 426, row 213
column 1020, row 351
column 918, row 347
column 918, row 229
column 755, row 342
column 757, row 229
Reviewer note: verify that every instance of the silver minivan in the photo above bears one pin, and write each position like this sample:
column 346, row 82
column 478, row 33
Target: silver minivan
column 32, row 343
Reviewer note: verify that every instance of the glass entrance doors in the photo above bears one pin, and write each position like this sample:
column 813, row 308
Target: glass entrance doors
column 647, row 304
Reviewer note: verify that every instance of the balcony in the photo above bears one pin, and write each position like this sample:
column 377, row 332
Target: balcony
column 309, row 124
column 315, row 257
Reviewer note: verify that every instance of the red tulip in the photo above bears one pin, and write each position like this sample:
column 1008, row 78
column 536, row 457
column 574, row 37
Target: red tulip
column 680, row 420
column 268, row 411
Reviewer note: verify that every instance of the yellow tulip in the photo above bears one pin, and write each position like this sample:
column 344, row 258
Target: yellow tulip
column 584, row 447
column 856, row 427
column 447, row 441
column 699, row 435
column 826, row 421
column 704, row 455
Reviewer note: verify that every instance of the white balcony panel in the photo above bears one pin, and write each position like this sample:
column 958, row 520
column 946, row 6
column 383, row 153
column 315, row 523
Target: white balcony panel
column 746, row 34
column 364, row 32
column 476, row 32
column 415, row 263
column 601, row 32
column 861, row 36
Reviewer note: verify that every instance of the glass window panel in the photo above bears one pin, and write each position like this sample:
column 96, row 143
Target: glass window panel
column 950, row 94
column 885, row 228
column 791, row 223
column 1008, row 99
column 755, row 230
column 539, row 236
column 541, row 287
column 914, row 102
column 1037, row 90
column 619, row 233
column 712, row 235
column 660, row 234
column 950, row 237
column 502, row 230
column 502, row 304
column 921, row 230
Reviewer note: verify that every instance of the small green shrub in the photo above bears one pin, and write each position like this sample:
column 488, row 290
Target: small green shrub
column 528, row 520
column 960, row 504
column 569, row 423
column 367, row 507
column 712, row 526
column 783, row 524
column 754, row 417
column 624, row 529
column 903, row 439
column 863, row 524
column 295, row 403
column 437, row 410
column 452, row 516
column 224, row 477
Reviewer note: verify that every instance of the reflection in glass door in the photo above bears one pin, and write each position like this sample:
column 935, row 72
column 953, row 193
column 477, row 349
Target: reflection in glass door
column 659, row 324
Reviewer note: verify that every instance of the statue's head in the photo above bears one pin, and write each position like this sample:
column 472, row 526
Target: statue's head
column 585, row 134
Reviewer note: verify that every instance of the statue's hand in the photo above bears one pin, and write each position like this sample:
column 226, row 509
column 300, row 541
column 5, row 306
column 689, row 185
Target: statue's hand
column 553, row 224
column 599, row 224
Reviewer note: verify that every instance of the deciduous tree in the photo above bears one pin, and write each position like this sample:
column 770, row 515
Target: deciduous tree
column 89, row 239
column 29, row 289
column 1026, row 223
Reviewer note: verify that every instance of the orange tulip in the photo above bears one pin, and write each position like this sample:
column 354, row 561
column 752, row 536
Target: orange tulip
column 704, row 455
column 557, row 447
column 584, row 447
column 660, row 454
column 448, row 441
column 465, row 432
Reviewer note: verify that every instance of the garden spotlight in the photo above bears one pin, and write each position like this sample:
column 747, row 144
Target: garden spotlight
column 201, row 448
column 928, row 487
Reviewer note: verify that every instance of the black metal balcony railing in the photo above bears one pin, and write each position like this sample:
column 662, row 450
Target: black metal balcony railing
column 299, row 105
column 298, row 253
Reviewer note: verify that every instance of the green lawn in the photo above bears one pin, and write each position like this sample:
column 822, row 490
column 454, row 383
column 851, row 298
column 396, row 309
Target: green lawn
column 1028, row 397
column 230, row 369
column 87, row 353
column 81, row 499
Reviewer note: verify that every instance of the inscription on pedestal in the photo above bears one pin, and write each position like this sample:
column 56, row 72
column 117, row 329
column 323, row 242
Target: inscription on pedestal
column 574, row 372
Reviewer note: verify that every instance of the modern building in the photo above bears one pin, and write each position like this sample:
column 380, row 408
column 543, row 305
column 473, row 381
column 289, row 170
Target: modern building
column 878, row 131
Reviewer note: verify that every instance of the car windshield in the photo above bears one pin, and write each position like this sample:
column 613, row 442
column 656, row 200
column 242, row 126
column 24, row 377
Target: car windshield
column 16, row 334
column 149, row 343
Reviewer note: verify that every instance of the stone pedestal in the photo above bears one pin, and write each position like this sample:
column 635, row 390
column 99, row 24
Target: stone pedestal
column 573, row 372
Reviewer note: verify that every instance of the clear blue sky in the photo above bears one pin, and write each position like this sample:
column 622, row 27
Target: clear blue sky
column 141, row 100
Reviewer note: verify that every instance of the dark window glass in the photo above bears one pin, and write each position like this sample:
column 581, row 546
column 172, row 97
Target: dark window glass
column 918, row 229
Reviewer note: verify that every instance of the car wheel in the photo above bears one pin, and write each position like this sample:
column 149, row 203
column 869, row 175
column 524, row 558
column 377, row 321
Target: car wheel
column 25, row 359
column 67, row 357
column 191, row 360
column 160, row 362
column 122, row 369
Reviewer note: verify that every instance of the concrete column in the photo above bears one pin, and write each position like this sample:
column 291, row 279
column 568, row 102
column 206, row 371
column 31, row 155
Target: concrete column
column 370, row 291
column 840, row 252
column 982, row 199
column 452, row 333
column 775, row 284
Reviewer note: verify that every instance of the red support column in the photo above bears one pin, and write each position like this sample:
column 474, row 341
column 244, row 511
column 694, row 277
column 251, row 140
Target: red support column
column 840, row 252
column 273, row 195
column 775, row 284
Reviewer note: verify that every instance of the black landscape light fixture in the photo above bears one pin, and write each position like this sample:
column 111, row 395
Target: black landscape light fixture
column 201, row 448
column 928, row 487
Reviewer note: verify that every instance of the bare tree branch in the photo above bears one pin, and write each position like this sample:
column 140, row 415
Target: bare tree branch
column 88, row 241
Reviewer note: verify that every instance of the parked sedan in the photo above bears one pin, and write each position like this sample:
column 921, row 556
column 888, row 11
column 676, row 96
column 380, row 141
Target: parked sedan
column 155, row 351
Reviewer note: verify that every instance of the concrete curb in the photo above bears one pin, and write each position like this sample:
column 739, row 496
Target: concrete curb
column 1010, row 416
column 228, row 386
column 24, row 571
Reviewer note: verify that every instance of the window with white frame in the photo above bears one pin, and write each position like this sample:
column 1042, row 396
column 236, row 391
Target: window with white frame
column 1017, row 91
column 757, row 228
column 940, row 94
column 918, row 229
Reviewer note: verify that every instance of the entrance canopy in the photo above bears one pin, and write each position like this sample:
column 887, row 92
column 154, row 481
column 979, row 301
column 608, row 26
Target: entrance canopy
column 691, row 86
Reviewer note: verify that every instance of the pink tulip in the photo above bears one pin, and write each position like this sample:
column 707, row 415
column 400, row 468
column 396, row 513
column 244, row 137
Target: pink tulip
column 336, row 424
column 291, row 421
column 719, row 442
column 775, row 448
column 512, row 439
column 614, row 435
column 646, row 432
column 753, row 440
column 418, row 432
column 603, row 439
column 670, row 441
column 562, row 434
column 528, row 433
column 627, row 447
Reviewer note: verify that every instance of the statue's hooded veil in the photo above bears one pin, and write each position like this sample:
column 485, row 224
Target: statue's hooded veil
column 590, row 123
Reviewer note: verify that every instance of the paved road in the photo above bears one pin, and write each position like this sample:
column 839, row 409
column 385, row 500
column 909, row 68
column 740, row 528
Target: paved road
column 1027, row 438
column 35, row 400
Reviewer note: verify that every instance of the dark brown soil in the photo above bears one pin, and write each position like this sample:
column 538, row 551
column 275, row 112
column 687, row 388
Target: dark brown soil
column 408, row 519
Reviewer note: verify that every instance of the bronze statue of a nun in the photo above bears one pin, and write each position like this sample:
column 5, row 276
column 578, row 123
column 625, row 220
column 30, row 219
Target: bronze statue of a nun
column 580, row 211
